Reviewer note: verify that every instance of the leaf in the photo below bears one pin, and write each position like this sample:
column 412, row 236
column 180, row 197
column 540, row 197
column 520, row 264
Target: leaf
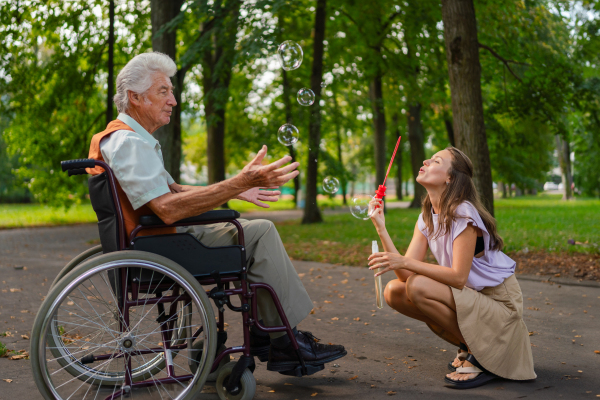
column 335, row 319
column 25, row 337
column 14, row 290
column 353, row 378
column 597, row 351
column 313, row 395
column 7, row 380
column 357, row 319
column 391, row 393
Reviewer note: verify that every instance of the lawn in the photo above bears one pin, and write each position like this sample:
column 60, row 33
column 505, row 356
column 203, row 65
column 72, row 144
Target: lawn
column 541, row 223
column 21, row 215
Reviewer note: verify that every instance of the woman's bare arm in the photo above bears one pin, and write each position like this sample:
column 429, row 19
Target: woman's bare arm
column 463, row 248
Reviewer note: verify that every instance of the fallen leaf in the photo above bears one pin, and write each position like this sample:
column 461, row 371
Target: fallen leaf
column 341, row 296
column 301, row 275
column 391, row 393
column 313, row 395
column 327, row 302
column 580, row 371
column 345, row 281
column 597, row 351
column 70, row 303
column 13, row 290
column 271, row 391
column 288, row 384
column 353, row 378
column 7, row 380
column 24, row 311
column 366, row 323
column 312, row 311
column 357, row 319
column 335, row 319
column 25, row 337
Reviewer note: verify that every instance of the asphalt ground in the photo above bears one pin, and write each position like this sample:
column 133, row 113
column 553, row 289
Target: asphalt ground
column 388, row 354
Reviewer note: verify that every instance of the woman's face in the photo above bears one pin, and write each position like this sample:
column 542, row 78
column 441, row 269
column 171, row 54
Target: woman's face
column 434, row 172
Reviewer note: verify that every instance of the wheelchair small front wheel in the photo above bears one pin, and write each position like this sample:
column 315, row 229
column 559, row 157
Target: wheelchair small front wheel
column 198, row 347
column 248, row 383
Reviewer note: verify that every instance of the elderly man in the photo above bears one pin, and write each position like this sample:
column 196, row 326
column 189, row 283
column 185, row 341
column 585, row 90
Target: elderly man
column 145, row 101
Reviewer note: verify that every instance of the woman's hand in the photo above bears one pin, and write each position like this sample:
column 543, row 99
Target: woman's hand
column 387, row 262
column 377, row 215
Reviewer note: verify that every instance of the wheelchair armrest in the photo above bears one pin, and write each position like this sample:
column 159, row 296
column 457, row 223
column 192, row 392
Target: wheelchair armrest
column 214, row 215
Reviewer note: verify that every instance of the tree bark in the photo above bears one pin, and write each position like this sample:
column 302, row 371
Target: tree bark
column 110, row 90
column 339, row 135
column 398, row 159
column 504, row 194
column 417, row 150
column 379, row 127
column 464, row 69
column 449, row 131
column 564, row 159
column 217, row 63
column 311, row 210
column 288, row 118
column 169, row 136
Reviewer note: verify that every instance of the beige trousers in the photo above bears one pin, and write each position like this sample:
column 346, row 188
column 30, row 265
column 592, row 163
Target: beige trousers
column 268, row 263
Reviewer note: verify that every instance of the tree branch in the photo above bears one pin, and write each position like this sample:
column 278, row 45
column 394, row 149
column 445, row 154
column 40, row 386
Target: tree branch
column 504, row 61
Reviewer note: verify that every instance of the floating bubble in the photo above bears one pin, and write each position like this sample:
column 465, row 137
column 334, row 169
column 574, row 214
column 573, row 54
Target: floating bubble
column 359, row 206
column 306, row 97
column 290, row 55
column 323, row 84
column 287, row 134
column 331, row 184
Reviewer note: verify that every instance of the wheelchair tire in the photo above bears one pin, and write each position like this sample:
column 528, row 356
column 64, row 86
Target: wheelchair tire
column 212, row 377
column 89, row 253
column 248, row 382
column 50, row 334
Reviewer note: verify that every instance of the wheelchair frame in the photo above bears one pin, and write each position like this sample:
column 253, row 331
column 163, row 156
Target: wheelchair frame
column 220, row 295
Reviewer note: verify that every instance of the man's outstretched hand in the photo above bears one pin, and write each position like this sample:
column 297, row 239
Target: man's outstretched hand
column 257, row 196
column 255, row 175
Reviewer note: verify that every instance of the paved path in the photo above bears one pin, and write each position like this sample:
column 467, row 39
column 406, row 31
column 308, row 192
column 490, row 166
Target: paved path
column 387, row 351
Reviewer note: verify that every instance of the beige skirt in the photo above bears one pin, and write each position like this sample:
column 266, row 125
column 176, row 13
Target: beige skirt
column 491, row 321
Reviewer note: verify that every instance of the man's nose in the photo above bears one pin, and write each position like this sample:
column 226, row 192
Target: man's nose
column 171, row 101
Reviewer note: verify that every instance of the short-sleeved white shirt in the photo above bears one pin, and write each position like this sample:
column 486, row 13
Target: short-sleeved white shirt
column 490, row 270
column 136, row 159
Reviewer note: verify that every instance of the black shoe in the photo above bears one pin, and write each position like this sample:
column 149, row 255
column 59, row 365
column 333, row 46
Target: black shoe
column 313, row 353
column 259, row 346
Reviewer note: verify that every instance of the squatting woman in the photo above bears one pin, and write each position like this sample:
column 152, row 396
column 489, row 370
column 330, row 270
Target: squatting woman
column 472, row 298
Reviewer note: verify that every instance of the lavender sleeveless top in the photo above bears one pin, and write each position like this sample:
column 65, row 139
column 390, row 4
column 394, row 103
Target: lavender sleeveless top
column 489, row 270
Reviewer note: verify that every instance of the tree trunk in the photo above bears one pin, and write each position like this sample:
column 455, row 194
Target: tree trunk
column 379, row 127
column 288, row 118
column 169, row 136
column 217, row 63
column 510, row 190
column 504, row 195
column 398, row 159
column 464, row 69
column 417, row 150
column 564, row 159
column 339, row 135
column 311, row 210
column 449, row 131
column 110, row 90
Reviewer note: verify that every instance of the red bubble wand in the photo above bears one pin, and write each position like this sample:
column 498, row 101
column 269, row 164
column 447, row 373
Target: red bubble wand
column 381, row 190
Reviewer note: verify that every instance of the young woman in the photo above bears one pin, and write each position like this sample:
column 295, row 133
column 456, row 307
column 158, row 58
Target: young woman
column 472, row 298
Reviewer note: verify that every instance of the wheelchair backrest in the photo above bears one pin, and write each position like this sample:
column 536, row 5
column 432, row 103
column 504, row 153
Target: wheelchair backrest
column 104, row 206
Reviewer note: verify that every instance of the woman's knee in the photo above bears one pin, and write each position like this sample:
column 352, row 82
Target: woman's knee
column 394, row 292
column 416, row 287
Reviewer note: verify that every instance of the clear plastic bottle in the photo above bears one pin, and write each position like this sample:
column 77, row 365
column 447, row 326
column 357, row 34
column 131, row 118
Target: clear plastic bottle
column 378, row 284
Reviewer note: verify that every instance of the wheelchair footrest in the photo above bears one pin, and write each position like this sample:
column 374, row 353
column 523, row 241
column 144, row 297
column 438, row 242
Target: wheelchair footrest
column 310, row 369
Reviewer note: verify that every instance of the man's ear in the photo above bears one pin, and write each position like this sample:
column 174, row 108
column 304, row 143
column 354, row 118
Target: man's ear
column 134, row 98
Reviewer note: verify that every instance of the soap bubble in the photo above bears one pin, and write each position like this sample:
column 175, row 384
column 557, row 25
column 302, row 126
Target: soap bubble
column 287, row 134
column 290, row 55
column 323, row 84
column 306, row 97
column 331, row 184
column 359, row 206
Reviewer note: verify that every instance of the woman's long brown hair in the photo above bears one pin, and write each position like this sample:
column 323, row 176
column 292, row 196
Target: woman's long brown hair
column 460, row 189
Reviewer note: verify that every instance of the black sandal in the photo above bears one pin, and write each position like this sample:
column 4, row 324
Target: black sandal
column 462, row 354
column 481, row 379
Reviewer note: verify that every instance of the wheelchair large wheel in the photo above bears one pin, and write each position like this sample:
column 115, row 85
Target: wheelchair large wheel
column 107, row 326
column 86, row 255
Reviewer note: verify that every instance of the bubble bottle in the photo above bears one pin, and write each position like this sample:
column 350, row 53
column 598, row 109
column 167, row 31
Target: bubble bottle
column 378, row 284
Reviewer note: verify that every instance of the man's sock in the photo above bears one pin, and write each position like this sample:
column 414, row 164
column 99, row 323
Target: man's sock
column 284, row 341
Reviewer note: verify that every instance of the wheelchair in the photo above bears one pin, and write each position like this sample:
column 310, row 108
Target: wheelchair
column 131, row 318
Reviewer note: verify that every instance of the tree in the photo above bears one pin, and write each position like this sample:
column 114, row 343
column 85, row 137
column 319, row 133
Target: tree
column 462, row 53
column 311, row 210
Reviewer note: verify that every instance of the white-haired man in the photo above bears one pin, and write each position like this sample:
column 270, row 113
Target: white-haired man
column 145, row 101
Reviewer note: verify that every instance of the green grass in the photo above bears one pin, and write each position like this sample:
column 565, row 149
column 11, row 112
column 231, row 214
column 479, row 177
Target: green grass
column 536, row 223
column 3, row 349
column 20, row 215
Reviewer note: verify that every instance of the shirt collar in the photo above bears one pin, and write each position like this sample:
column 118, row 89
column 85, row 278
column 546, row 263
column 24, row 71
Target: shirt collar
column 133, row 124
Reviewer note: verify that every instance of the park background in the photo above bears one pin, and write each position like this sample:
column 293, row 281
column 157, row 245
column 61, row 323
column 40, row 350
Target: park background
column 379, row 70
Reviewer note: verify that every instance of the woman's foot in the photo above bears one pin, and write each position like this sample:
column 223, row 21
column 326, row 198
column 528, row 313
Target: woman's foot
column 470, row 375
column 457, row 376
column 461, row 355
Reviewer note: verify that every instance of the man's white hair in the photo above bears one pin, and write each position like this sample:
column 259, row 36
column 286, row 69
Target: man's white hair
column 137, row 76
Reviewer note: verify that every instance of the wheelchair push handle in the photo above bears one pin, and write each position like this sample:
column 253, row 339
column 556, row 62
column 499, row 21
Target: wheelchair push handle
column 77, row 167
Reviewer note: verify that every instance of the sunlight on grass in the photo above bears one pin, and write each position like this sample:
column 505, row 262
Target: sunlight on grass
column 20, row 215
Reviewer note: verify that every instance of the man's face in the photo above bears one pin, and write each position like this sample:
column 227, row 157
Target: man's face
column 158, row 101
